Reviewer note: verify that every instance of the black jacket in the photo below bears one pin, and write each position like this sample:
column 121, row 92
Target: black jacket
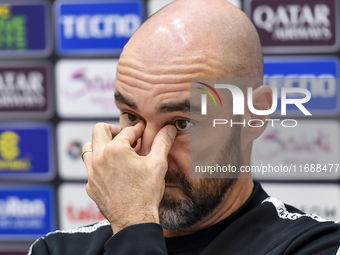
column 263, row 225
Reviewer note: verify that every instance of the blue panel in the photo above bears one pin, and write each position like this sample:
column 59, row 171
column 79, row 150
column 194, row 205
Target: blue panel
column 96, row 27
column 317, row 74
column 24, row 28
column 27, row 212
column 26, row 151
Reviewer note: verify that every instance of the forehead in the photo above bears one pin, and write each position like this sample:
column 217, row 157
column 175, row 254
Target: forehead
column 150, row 81
column 158, row 62
column 160, row 98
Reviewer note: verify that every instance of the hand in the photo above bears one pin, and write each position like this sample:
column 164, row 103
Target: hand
column 127, row 187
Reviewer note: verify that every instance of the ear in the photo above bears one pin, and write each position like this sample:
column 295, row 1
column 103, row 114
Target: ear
column 262, row 99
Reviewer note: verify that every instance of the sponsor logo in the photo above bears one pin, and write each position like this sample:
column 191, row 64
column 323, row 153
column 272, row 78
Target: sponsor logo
column 74, row 149
column 76, row 210
column 26, row 152
column 9, row 151
column 92, row 27
column 22, row 208
column 311, row 142
column 87, row 85
column 26, row 212
column 25, row 90
column 87, row 213
column 85, row 88
column 294, row 27
column 317, row 74
column 24, row 27
column 318, row 144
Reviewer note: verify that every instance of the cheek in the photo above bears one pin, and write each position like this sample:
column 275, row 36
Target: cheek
column 179, row 157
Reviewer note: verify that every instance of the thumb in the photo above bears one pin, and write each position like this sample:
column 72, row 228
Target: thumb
column 162, row 143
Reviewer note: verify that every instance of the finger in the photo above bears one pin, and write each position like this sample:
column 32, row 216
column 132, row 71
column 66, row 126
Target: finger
column 163, row 141
column 131, row 134
column 102, row 134
column 137, row 146
column 86, row 149
column 87, row 158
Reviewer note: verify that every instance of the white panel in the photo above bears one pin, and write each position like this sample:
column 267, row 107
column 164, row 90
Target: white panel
column 320, row 199
column 156, row 5
column 76, row 208
column 71, row 138
column 297, row 149
column 85, row 88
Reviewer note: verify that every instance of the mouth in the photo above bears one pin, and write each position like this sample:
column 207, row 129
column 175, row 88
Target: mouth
column 170, row 186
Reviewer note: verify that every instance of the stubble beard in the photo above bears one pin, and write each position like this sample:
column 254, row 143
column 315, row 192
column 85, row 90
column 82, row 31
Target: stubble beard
column 201, row 197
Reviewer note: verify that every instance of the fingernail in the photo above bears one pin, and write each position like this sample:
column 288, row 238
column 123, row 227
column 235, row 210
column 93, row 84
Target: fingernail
column 172, row 131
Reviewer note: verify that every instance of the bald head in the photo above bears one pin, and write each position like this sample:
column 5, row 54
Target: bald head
column 202, row 38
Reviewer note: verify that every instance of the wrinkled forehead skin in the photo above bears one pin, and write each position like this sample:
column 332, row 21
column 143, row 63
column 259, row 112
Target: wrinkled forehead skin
column 191, row 39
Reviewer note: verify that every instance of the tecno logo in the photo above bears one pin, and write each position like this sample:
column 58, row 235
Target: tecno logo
column 322, row 86
column 99, row 26
column 238, row 99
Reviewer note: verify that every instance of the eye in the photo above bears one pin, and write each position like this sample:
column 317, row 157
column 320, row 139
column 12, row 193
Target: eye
column 131, row 118
column 182, row 125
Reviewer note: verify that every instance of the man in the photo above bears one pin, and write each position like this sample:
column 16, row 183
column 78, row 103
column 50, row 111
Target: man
column 139, row 172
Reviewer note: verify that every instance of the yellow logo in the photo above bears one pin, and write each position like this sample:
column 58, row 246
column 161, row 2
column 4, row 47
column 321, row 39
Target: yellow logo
column 5, row 11
column 9, row 151
column 9, row 141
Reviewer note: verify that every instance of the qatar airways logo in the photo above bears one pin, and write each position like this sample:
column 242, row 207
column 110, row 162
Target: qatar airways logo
column 238, row 103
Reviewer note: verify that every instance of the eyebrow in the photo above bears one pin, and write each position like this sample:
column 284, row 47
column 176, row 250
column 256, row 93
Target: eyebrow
column 183, row 106
column 123, row 100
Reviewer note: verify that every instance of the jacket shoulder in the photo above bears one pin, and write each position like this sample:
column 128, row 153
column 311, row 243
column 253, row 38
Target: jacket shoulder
column 83, row 240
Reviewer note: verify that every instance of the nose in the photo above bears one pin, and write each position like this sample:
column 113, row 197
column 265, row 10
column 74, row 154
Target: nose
column 147, row 138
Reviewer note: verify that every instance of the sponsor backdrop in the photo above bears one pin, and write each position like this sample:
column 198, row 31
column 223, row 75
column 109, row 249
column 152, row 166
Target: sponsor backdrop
column 58, row 60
